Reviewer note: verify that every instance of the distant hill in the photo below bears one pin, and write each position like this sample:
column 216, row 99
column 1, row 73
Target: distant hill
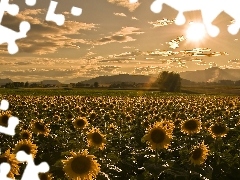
column 52, row 82
column 5, row 81
column 76, row 80
column 185, row 82
column 120, row 78
column 213, row 74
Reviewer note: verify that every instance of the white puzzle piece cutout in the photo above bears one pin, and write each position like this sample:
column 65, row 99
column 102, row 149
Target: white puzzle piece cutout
column 4, row 170
column 59, row 19
column 8, row 35
column 31, row 171
column 10, row 130
column 4, row 105
column 210, row 10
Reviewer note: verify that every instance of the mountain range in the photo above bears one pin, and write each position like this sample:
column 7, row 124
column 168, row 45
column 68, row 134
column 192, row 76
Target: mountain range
column 120, row 78
column 213, row 74
column 4, row 81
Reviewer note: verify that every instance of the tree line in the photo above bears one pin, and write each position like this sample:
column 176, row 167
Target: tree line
column 168, row 82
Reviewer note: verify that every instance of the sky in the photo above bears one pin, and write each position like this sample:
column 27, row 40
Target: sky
column 112, row 37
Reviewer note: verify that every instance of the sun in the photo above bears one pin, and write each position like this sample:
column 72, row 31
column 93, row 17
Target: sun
column 195, row 31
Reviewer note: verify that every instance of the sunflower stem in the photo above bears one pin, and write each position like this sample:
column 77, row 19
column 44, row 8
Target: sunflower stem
column 189, row 175
column 156, row 161
column 80, row 138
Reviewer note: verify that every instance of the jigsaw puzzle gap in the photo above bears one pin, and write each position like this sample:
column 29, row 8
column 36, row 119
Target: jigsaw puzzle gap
column 59, row 19
column 4, row 105
column 4, row 170
column 31, row 171
column 210, row 10
column 30, row 2
column 8, row 35
column 51, row 16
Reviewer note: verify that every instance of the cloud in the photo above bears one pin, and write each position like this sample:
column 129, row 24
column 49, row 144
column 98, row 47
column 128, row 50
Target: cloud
column 128, row 54
column 130, row 30
column 147, row 70
column 174, row 43
column 134, row 18
column 234, row 61
column 126, row 4
column 120, row 61
column 124, row 35
column 46, row 37
column 100, row 70
column 160, row 23
column 61, row 74
column 38, row 74
column 120, row 14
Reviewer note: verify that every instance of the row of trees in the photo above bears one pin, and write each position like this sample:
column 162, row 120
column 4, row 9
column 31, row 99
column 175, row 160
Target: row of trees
column 16, row 85
column 166, row 81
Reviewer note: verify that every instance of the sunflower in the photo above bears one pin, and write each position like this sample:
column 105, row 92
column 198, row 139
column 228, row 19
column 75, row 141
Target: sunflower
column 218, row 130
column 27, row 146
column 44, row 106
column 207, row 124
column 92, row 115
column 56, row 118
column 80, row 122
column 145, row 123
column 96, row 139
column 158, row 136
column 112, row 127
column 45, row 176
column 199, row 154
column 191, row 126
column 40, row 127
column 25, row 134
column 12, row 161
column 169, row 124
column 4, row 117
column 81, row 166
column 69, row 116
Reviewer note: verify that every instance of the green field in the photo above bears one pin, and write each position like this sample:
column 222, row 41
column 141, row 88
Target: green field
column 80, row 92
column 207, row 90
column 136, row 135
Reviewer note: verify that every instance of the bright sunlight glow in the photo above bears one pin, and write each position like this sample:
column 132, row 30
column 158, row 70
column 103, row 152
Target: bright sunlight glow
column 196, row 31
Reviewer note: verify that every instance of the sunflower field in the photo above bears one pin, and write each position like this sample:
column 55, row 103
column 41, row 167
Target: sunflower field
column 125, row 138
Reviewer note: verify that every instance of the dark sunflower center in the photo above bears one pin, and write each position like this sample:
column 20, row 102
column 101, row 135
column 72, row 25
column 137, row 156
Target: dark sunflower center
column 80, row 123
column 39, row 126
column 197, row 153
column 111, row 128
column 3, row 159
column 145, row 124
column 25, row 148
column 93, row 115
column 81, row 165
column 69, row 116
column 107, row 117
column 191, row 125
column 84, row 109
column 158, row 136
column 97, row 138
column 43, row 176
column 128, row 118
column 174, row 115
column 5, row 120
column 44, row 106
column 218, row 129
column 25, row 135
